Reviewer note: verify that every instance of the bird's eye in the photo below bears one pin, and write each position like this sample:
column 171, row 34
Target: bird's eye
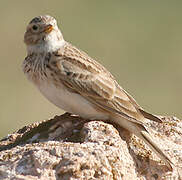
column 35, row 27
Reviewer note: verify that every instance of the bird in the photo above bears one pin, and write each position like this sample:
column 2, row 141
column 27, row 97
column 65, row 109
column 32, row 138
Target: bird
column 73, row 81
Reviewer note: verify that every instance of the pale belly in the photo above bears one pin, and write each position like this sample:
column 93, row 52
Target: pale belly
column 70, row 102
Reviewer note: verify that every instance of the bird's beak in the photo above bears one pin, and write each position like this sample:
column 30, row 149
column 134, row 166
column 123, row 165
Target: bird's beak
column 48, row 28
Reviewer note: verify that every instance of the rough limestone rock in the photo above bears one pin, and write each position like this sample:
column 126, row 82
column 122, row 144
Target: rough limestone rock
column 68, row 147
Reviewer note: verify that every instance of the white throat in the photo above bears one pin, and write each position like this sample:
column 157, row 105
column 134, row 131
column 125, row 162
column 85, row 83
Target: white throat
column 50, row 45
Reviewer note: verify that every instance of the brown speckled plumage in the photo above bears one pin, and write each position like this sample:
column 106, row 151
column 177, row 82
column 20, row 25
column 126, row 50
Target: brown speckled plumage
column 75, row 82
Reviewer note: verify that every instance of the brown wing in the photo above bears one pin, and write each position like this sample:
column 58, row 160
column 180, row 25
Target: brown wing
column 87, row 77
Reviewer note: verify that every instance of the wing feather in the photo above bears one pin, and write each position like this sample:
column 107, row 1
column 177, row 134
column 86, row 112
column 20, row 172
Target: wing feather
column 86, row 82
column 87, row 77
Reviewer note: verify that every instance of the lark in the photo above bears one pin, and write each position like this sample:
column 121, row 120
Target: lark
column 78, row 84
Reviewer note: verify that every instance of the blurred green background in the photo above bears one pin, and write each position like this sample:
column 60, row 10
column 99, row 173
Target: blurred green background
column 140, row 42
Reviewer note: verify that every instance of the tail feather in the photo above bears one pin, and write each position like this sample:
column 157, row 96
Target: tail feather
column 148, row 140
column 140, row 131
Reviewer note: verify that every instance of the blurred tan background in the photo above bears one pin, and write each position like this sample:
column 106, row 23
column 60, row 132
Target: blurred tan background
column 140, row 42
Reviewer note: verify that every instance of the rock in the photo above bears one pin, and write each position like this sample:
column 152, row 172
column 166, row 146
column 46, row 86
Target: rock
column 69, row 147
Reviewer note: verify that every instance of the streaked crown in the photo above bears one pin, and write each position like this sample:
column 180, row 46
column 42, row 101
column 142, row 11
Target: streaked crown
column 42, row 34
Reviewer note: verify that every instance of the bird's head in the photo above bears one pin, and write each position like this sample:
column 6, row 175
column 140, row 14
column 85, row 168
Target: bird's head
column 43, row 35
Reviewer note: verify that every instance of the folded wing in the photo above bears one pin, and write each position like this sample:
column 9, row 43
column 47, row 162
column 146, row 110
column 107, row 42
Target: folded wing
column 90, row 79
